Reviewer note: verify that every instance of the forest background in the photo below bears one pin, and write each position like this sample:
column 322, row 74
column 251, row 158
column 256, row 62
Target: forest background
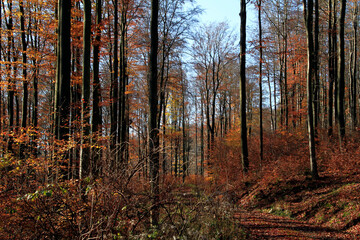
column 114, row 115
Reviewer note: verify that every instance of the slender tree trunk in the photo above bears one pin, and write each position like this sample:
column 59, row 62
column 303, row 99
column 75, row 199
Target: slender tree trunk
column 341, row 73
column 271, row 104
column 24, row 73
column 85, row 170
column 153, row 104
column 184, row 137
column 196, row 137
column 114, row 88
column 286, row 94
column 316, row 87
column 202, row 159
column 331, row 64
column 275, row 102
column 311, row 62
column 260, row 83
column 17, row 104
column 123, row 104
column 164, row 162
column 62, row 90
column 35, row 109
column 176, row 154
column 96, row 112
column 353, row 73
column 11, row 92
column 244, row 146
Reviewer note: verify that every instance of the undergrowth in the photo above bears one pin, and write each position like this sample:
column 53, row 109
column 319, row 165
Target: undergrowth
column 111, row 207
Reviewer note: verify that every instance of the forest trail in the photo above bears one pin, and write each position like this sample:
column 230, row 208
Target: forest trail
column 268, row 226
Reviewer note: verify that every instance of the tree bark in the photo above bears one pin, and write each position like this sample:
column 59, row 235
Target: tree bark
column 244, row 146
column 11, row 92
column 85, row 170
column 114, row 88
column 331, row 65
column 316, row 87
column 353, row 73
column 96, row 112
column 24, row 73
column 123, row 103
column 341, row 73
column 260, row 83
column 153, row 105
column 63, row 73
column 311, row 62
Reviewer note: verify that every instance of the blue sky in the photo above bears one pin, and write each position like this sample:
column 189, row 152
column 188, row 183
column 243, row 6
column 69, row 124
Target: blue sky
column 225, row 10
column 220, row 10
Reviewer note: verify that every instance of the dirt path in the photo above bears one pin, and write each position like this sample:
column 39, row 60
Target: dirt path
column 268, row 226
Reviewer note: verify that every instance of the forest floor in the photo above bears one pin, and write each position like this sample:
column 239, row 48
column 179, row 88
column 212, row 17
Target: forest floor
column 301, row 208
column 260, row 225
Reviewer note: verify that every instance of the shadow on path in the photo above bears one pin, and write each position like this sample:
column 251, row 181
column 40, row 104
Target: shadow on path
column 268, row 226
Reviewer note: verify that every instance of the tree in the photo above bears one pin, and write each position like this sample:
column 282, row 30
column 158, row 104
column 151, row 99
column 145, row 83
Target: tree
column 213, row 52
column 316, row 85
column 123, row 121
column 353, row 67
column 11, row 84
column 260, row 82
column 153, row 113
column 243, row 130
column 96, row 111
column 114, row 88
column 175, row 21
column 311, row 63
column 25, row 80
column 341, row 73
column 85, row 170
column 63, row 72
column 332, row 63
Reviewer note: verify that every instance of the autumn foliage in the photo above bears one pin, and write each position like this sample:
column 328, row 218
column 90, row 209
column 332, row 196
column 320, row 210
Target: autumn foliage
column 84, row 156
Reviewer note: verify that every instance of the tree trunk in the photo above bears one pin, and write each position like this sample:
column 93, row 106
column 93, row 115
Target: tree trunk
column 316, row 87
column 25, row 80
column 85, row 170
column 260, row 83
column 123, row 103
column 244, row 146
column 353, row 73
column 11, row 92
column 153, row 104
column 114, row 88
column 35, row 110
column 63, row 73
column 96, row 112
column 341, row 73
column 184, row 137
column 311, row 62
column 331, row 64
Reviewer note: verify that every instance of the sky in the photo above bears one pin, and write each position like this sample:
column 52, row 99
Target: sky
column 220, row 10
column 225, row 10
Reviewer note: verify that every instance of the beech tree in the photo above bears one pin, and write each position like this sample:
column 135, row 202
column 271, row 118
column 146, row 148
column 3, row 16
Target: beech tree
column 341, row 74
column 213, row 52
column 63, row 72
column 332, row 61
column 96, row 124
column 153, row 113
column 311, row 76
column 244, row 144
column 85, row 113
column 260, row 82
column 354, row 67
